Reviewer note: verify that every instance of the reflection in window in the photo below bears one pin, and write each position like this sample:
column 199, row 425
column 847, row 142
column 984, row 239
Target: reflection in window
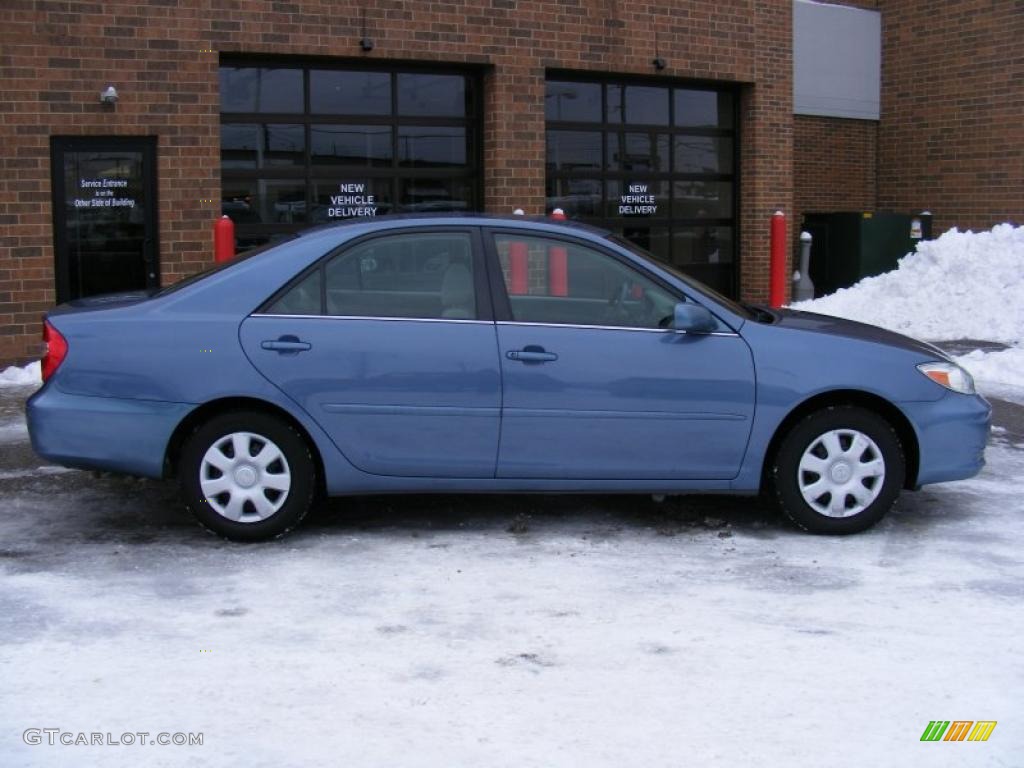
column 646, row 105
column 551, row 281
column 641, row 152
column 578, row 198
column 340, row 92
column 423, row 195
column 574, row 150
column 264, row 202
column 355, row 145
column 260, row 89
column 573, row 102
column 702, row 245
column 302, row 299
column 251, row 145
column 703, row 109
column 431, row 146
column 426, row 275
column 702, row 154
column 431, row 95
column 702, row 199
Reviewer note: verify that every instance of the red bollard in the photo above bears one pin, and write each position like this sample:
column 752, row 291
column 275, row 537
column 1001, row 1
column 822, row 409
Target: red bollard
column 518, row 268
column 223, row 239
column 777, row 264
column 558, row 271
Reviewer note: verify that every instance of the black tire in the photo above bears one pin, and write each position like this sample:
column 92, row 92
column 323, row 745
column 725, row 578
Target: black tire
column 786, row 475
column 297, row 461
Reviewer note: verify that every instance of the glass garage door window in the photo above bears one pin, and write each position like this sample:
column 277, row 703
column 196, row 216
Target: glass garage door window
column 654, row 162
column 309, row 144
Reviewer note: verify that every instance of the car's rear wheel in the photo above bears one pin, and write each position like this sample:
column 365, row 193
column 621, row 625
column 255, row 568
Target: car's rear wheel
column 247, row 476
column 838, row 470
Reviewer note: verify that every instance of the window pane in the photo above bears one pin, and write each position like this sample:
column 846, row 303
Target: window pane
column 637, row 198
column 574, row 150
column 655, row 240
column 338, row 92
column 435, row 195
column 551, row 281
column 578, row 102
column 640, row 152
column 702, row 245
column 614, row 103
column 431, row 146
column 702, row 199
column 579, row 198
column 432, row 95
column 261, row 201
column 646, row 105
column 703, row 154
column 239, row 146
column 260, row 89
column 703, row 109
column 301, row 299
column 250, row 146
column 348, row 198
column 426, row 275
column 356, row 145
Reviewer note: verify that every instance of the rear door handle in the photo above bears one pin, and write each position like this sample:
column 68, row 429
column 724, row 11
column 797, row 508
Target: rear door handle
column 286, row 344
column 531, row 355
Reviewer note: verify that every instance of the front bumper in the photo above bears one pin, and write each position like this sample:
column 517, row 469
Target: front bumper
column 951, row 434
column 105, row 433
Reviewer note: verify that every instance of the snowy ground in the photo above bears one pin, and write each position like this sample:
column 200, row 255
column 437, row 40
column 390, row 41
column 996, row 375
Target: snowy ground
column 484, row 631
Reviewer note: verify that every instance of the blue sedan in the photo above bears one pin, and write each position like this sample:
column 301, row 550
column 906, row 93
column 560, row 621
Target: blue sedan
column 490, row 354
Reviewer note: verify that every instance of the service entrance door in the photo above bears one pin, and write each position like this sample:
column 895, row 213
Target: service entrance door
column 104, row 215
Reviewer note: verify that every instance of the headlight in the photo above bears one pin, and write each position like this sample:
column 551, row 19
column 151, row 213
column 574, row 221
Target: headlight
column 949, row 375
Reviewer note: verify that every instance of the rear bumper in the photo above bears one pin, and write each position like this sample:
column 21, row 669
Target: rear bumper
column 106, row 433
column 952, row 433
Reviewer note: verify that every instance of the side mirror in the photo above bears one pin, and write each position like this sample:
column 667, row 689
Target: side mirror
column 693, row 318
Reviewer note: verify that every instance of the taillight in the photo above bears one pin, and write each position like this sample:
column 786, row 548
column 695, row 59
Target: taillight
column 56, row 350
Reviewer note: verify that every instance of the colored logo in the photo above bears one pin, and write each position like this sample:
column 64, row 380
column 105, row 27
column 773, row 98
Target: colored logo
column 958, row 730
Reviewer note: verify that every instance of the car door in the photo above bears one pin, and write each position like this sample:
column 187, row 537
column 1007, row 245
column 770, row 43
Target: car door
column 596, row 383
column 389, row 345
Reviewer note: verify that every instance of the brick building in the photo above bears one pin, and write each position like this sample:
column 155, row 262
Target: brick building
column 673, row 122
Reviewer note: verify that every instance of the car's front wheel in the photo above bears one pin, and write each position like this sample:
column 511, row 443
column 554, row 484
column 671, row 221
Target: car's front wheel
column 838, row 470
column 247, row 476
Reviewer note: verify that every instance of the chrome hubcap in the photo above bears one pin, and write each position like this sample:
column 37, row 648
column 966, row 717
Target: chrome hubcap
column 841, row 473
column 244, row 477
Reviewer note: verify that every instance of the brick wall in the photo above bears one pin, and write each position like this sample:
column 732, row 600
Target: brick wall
column 951, row 138
column 834, row 165
column 163, row 57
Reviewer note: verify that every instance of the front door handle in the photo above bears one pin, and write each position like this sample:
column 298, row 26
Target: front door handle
column 531, row 354
column 286, row 344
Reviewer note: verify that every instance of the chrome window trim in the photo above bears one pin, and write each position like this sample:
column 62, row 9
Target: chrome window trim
column 487, row 322
column 608, row 328
column 370, row 317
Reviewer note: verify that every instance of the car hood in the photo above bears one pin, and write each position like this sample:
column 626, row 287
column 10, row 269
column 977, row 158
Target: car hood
column 849, row 329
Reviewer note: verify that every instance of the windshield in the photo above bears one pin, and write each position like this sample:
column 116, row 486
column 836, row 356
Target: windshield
column 733, row 306
column 192, row 279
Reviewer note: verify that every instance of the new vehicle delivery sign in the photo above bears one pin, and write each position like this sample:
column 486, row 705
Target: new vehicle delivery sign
column 352, row 201
column 637, row 200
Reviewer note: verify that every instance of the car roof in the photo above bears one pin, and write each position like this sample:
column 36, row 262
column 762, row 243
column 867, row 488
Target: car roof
column 465, row 219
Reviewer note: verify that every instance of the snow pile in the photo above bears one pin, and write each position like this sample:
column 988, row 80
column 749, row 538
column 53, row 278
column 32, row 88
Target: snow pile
column 964, row 285
column 28, row 376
